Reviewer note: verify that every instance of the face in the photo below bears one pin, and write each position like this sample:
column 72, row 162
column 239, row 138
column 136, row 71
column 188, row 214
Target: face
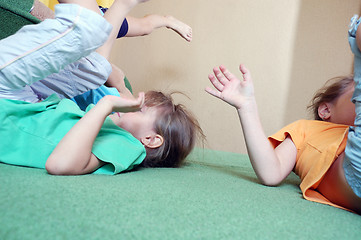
column 140, row 124
column 343, row 109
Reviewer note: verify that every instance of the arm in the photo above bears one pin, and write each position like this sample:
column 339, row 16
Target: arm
column 271, row 166
column 115, row 16
column 147, row 24
column 73, row 155
column 116, row 80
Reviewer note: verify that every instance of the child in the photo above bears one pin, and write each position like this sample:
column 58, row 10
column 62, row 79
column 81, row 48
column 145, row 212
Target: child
column 59, row 136
column 315, row 150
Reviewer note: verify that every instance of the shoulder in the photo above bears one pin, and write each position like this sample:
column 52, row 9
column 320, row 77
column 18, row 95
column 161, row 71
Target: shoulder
column 297, row 131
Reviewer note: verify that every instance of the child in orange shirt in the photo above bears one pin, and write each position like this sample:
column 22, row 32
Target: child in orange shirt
column 314, row 149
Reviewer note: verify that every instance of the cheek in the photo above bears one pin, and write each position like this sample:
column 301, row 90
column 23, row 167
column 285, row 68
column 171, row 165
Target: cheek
column 352, row 115
column 348, row 114
column 126, row 122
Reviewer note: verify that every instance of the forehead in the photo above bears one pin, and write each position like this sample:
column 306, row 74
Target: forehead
column 346, row 91
column 345, row 99
column 349, row 90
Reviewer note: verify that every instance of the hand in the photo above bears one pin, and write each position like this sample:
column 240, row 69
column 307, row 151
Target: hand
column 125, row 103
column 229, row 88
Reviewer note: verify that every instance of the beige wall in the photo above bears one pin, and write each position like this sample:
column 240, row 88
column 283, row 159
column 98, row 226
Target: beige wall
column 291, row 48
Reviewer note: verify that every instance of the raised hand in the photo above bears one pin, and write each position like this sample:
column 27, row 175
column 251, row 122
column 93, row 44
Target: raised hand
column 125, row 103
column 229, row 88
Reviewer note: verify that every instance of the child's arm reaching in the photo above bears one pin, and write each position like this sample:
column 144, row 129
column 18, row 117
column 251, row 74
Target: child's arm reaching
column 271, row 165
column 147, row 24
column 73, row 155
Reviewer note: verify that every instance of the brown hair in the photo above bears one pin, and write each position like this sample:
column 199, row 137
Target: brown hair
column 177, row 126
column 332, row 89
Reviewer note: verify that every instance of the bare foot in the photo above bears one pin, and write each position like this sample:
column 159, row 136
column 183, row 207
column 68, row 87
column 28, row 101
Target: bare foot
column 181, row 28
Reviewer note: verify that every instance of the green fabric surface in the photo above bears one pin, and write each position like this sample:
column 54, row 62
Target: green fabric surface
column 13, row 15
column 215, row 196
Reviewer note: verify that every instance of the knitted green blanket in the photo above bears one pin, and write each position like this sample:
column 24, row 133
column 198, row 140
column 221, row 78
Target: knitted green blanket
column 14, row 14
column 215, row 196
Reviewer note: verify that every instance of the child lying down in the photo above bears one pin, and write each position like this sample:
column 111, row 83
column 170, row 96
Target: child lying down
column 115, row 135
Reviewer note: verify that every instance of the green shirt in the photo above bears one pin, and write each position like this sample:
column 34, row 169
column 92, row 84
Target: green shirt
column 30, row 131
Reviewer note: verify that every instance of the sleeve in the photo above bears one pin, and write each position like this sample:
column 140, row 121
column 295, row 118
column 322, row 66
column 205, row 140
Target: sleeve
column 293, row 130
column 123, row 29
column 93, row 96
column 118, row 148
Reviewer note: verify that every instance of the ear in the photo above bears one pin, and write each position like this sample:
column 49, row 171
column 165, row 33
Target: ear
column 152, row 141
column 324, row 111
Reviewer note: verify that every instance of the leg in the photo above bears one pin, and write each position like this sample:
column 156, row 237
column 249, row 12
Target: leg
column 352, row 161
column 80, row 77
column 116, row 80
column 41, row 11
column 115, row 85
column 76, row 78
column 37, row 51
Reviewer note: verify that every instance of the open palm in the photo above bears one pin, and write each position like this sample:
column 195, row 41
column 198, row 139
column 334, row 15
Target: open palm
column 229, row 88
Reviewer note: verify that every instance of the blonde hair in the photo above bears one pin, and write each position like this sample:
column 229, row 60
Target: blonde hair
column 177, row 126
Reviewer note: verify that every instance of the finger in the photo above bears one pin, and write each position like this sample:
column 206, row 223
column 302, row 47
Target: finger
column 227, row 73
column 141, row 99
column 246, row 73
column 220, row 76
column 213, row 92
column 215, row 82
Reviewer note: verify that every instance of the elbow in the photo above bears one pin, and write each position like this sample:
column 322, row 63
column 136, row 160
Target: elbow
column 270, row 182
column 54, row 167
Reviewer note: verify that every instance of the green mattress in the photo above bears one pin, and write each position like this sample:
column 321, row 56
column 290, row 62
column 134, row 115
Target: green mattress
column 215, row 196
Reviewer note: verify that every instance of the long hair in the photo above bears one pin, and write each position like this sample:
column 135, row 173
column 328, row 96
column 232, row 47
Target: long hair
column 177, row 126
column 332, row 89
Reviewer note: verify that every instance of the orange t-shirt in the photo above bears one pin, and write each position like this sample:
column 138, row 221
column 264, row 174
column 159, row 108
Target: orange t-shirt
column 318, row 145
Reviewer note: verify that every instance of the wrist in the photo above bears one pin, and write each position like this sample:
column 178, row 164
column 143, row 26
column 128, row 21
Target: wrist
column 249, row 105
column 105, row 104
